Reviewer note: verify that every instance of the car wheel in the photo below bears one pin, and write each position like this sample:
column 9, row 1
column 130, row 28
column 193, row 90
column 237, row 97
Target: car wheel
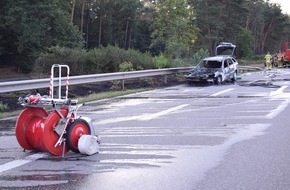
column 218, row 80
column 235, row 76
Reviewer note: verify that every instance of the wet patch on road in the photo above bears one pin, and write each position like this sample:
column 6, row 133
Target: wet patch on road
column 45, row 182
column 7, row 127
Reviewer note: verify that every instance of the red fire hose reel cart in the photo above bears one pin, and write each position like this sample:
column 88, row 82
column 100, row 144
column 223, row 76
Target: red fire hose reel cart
column 51, row 124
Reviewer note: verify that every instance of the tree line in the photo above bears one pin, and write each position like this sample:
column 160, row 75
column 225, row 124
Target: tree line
column 175, row 29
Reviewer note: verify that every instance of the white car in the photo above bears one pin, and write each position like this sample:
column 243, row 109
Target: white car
column 217, row 69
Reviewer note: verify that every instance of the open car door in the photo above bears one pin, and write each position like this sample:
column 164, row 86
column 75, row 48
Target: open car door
column 225, row 48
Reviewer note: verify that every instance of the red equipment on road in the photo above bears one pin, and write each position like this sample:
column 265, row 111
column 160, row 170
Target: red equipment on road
column 55, row 131
column 286, row 53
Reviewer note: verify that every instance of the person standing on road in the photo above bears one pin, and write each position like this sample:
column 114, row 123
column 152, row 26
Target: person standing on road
column 279, row 59
column 268, row 58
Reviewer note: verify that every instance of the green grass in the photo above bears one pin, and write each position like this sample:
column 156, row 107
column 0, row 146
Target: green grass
column 9, row 114
column 89, row 98
column 106, row 95
column 3, row 107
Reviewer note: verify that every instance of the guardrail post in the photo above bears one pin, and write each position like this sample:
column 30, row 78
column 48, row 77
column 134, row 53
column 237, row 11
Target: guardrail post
column 123, row 84
column 165, row 79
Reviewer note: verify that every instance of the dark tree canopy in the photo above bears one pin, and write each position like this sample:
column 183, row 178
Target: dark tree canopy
column 31, row 26
column 175, row 28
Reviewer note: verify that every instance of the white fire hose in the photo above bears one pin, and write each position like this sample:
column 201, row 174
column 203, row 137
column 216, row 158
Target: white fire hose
column 88, row 144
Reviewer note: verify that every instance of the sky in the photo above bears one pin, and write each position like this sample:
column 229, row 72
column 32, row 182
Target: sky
column 285, row 5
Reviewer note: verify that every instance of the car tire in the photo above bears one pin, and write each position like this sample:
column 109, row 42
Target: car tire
column 218, row 80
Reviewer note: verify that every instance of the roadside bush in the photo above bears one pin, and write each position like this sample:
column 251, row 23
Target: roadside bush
column 199, row 55
column 180, row 63
column 3, row 107
column 101, row 60
column 74, row 58
column 161, row 61
column 96, row 61
column 126, row 66
column 140, row 60
column 24, row 64
column 108, row 59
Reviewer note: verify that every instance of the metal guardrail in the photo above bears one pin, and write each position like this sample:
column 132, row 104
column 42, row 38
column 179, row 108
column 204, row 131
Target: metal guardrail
column 249, row 68
column 13, row 86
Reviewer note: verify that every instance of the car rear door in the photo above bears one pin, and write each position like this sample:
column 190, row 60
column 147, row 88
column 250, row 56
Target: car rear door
column 231, row 67
column 226, row 69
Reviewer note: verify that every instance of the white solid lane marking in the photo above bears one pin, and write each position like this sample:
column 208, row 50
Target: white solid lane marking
column 278, row 110
column 164, row 112
column 20, row 162
column 278, row 91
column 222, row 92
column 146, row 116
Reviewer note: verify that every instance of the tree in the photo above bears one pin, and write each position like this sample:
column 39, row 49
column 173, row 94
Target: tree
column 218, row 21
column 114, row 22
column 267, row 24
column 37, row 25
column 209, row 21
column 30, row 27
column 245, row 41
column 73, row 10
column 174, row 28
column 274, row 23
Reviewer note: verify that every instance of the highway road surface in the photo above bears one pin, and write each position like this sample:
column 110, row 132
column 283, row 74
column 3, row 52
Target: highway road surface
column 203, row 137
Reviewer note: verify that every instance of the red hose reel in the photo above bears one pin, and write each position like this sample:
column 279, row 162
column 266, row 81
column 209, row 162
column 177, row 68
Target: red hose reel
column 56, row 131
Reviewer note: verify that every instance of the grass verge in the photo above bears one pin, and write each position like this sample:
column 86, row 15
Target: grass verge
column 106, row 95
column 9, row 114
column 89, row 98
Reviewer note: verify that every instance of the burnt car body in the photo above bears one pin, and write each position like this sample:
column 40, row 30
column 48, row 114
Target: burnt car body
column 217, row 69
column 225, row 48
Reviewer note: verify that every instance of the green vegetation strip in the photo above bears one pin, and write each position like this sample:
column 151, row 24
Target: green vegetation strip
column 105, row 95
column 9, row 114
column 89, row 98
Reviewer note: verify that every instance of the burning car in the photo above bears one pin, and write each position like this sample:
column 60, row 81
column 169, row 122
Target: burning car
column 218, row 69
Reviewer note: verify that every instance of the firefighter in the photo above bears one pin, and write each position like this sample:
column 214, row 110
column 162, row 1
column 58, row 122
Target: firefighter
column 268, row 58
column 279, row 59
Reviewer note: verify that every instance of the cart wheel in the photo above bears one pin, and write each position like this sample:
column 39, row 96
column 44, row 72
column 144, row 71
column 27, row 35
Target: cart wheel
column 22, row 123
column 78, row 128
column 50, row 137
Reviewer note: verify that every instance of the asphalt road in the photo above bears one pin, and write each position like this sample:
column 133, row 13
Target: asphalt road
column 233, row 136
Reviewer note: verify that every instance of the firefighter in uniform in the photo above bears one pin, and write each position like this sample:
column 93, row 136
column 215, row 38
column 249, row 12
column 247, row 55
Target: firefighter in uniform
column 268, row 58
column 279, row 59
